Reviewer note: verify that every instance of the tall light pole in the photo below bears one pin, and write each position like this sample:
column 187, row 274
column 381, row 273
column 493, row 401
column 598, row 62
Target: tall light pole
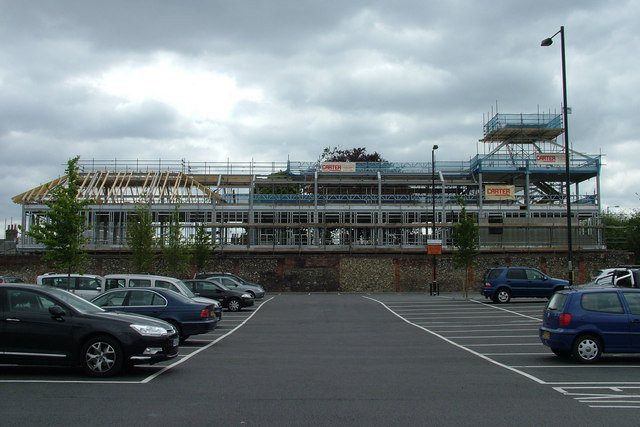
column 434, row 286
column 547, row 42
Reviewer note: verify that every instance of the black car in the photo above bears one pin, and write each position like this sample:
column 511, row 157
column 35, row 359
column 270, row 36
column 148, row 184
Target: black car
column 230, row 299
column 48, row 326
column 188, row 316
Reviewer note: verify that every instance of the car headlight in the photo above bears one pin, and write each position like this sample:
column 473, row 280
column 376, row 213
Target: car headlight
column 149, row 331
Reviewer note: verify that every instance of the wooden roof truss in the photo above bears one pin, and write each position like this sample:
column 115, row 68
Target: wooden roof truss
column 105, row 187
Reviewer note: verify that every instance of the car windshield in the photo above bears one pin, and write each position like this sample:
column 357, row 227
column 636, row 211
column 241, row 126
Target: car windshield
column 80, row 304
column 241, row 280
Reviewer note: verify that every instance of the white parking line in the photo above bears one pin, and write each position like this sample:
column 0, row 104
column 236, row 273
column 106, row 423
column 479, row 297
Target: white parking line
column 518, row 344
column 166, row 368
column 504, row 309
column 455, row 317
column 521, row 354
column 477, row 337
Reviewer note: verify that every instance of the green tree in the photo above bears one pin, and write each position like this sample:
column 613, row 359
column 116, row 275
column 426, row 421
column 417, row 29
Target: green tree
column 622, row 232
column 175, row 250
column 358, row 154
column 614, row 227
column 140, row 239
column 465, row 240
column 202, row 246
column 633, row 234
column 61, row 229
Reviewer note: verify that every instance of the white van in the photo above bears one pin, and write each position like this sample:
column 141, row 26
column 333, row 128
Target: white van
column 113, row 281
column 86, row 286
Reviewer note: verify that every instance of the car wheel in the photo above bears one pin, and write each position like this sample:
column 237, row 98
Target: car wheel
column 234, row 304
column 101, row 356
column 502, row 295
column 587, row 349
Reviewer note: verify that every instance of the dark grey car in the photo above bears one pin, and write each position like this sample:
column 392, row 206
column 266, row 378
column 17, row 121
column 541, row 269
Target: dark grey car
column 230, row 299
column 234, row 282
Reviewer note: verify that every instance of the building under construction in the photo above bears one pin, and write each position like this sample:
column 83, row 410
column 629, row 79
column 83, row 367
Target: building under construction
column 515, row 190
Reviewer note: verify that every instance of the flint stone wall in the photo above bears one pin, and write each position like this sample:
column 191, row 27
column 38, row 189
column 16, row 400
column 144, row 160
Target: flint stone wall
column 297, row 272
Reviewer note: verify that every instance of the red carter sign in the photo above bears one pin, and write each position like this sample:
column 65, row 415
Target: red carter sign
column 550, row 159
column 338, row 167
column 500, row 192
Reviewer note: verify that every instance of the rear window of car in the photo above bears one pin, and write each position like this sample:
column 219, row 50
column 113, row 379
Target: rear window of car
column 557, row 301
column 493, row 273
column 603, row 302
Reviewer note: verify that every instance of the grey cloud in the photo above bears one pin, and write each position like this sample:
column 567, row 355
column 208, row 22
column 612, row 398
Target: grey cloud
column 394, row 76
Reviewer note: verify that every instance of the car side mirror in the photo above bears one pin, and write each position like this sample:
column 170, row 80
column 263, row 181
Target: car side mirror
column 56, row 311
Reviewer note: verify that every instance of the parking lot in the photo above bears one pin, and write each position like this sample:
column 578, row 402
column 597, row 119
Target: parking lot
column 507, row 336
column 366, row 359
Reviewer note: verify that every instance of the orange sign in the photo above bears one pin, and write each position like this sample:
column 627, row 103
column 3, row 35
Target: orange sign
column 434, row 247
column 434, row 250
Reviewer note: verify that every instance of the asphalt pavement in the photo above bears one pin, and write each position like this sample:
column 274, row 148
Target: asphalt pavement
column 312, row 360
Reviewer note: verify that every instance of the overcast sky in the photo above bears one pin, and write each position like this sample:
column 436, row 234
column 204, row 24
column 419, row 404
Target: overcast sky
column 270, row 80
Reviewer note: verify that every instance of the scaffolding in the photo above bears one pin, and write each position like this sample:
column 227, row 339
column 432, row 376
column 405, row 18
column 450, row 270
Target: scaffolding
column 514, row 190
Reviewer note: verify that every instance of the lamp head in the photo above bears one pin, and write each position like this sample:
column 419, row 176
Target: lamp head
column 546, row 42
column 435, row 147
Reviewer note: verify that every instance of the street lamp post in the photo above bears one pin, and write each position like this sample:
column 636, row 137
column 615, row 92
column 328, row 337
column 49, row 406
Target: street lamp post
column 434, row 283
column 547, row 42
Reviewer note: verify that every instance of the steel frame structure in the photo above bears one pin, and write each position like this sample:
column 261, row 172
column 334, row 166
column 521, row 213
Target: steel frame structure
column 375, row 206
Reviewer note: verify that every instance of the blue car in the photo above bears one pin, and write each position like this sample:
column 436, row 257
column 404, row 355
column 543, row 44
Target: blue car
column 584, row 323
column 189, row 317
column 503, row 283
